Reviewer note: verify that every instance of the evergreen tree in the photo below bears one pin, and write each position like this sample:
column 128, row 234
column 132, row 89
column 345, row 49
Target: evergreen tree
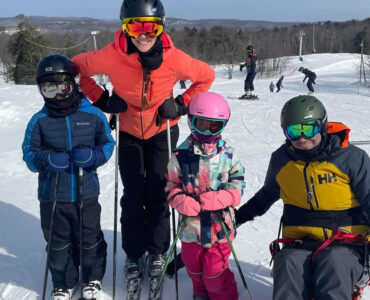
column 71, row 52
column 25, row 52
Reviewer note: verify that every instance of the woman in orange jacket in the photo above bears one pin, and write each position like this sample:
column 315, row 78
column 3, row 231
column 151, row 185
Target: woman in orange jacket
column 143, row 66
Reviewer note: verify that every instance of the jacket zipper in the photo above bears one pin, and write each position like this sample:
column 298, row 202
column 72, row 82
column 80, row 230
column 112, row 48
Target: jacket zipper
column 314, row 193
column 144, row 96
column 309, row 194
column 69, row 147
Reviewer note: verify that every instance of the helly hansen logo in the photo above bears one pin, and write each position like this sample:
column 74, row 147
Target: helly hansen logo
column 327, row 178
column 83, row 123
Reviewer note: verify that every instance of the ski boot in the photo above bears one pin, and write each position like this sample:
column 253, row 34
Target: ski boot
column 245, row 96
column 92, row 290
column 156, row 265
column 134, row 270
column 61, row 294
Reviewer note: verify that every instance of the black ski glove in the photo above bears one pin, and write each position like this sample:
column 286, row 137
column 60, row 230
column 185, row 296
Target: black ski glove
column 171, row 109
column 102, row 101
column 241, row 68
column 113, row 104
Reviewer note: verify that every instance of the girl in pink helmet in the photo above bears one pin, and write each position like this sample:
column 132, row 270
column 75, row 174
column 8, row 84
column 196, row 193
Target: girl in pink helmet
column 205, row 183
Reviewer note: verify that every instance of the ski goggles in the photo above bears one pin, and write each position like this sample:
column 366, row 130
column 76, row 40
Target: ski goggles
column 207, row 125
column 307, row 130
column 151, row 26
column 52, row 89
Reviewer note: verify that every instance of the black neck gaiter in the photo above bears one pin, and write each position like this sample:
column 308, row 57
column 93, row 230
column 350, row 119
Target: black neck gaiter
column 150, row 60
column 62, row 108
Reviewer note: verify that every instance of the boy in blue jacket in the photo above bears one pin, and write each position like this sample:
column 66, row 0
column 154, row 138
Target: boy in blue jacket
column 68, row 134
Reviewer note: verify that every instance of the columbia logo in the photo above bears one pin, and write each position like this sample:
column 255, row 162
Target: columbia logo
column 83, row 123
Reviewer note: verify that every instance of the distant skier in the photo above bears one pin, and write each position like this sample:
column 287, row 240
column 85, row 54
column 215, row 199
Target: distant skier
column 205, row 183
column 279, row 84
column 272, row 86
column 311, row 78
column 67, row 134
column 251, row 73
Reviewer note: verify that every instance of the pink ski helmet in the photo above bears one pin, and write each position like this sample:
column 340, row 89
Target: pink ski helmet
column 211, row 107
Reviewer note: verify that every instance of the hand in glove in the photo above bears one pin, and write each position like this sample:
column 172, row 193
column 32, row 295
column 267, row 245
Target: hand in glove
column 113, row 104
column 85, row 157
column 241, row 68
column 53, row 161
column 172, row 108
column 216, row 200
column 185, row 205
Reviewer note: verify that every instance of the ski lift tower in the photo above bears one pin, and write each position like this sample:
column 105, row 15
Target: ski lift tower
column 300, row 37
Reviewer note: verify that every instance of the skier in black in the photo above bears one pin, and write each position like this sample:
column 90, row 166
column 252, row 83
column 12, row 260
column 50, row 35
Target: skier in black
column 279, row 84
column 311, row 78
column 324, row 183
column 251, row 73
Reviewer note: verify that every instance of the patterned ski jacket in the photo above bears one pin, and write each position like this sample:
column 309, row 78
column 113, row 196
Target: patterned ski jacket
column 86, row 126
column 143, row 90
column 192, row 172
column 330, row 191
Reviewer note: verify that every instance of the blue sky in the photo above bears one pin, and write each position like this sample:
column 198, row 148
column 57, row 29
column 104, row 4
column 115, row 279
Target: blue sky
column 269, row 10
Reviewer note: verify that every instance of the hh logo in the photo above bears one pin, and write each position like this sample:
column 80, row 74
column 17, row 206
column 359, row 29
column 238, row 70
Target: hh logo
column 327, row 178
column 83, row 123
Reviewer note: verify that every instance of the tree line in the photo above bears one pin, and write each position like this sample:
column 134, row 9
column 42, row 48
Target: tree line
column 21, row 51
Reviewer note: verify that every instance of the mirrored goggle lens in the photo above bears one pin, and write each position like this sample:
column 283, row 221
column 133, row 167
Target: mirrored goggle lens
column 206, row 125
column 52, row 89
column 307, row 130
column 152, row 26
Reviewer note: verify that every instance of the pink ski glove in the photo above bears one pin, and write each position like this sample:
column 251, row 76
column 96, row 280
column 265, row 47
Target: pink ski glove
column 185, row 205
column 217, row 200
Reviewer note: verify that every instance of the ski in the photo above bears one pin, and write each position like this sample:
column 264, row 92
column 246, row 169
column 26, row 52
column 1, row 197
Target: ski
column 153, row 285
column 133, row 289
column 248, row 97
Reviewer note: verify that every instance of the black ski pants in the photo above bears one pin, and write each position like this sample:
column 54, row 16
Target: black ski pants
column 248, row 82
column 278, row 88
column 65, row 242
column 330, row 275
column 145, row 216
column 310, row 86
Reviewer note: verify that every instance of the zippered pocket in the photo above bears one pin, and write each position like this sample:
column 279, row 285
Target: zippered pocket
column 314, row 192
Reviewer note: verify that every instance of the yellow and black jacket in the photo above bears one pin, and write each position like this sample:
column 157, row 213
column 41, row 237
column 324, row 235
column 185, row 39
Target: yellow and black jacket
column 330, row 190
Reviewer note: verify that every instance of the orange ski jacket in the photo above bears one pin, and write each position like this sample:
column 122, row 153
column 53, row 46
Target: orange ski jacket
column 143, row 90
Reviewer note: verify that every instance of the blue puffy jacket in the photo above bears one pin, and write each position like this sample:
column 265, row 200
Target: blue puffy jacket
column 86, row 126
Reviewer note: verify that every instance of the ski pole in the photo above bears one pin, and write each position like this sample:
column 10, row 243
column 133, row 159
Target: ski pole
column 235, row 258
column 51, row 229
column 360, row 142
column 115, row 207
column 172, row 212
column 173, row 247
column 80, row 174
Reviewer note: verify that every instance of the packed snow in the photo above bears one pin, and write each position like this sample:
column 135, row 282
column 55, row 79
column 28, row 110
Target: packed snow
column 254, row 130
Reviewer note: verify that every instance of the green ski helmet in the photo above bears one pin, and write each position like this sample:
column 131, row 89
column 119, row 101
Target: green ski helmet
column 303, row 109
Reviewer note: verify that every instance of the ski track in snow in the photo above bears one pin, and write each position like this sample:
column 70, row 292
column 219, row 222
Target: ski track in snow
column 254, row 130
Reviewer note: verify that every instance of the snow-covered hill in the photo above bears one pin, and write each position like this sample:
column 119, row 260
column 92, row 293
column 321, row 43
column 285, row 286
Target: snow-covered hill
column 253, row 130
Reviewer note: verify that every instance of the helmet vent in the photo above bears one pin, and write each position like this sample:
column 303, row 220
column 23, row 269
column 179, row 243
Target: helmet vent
column 309, row 108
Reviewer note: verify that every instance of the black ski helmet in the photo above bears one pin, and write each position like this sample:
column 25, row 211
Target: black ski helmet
column 303, row 109
column 250, row 49
column 142, row 8
column 52, row 65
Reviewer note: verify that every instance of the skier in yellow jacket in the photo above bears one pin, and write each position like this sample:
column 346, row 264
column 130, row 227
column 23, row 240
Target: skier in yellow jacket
column 324, row 182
